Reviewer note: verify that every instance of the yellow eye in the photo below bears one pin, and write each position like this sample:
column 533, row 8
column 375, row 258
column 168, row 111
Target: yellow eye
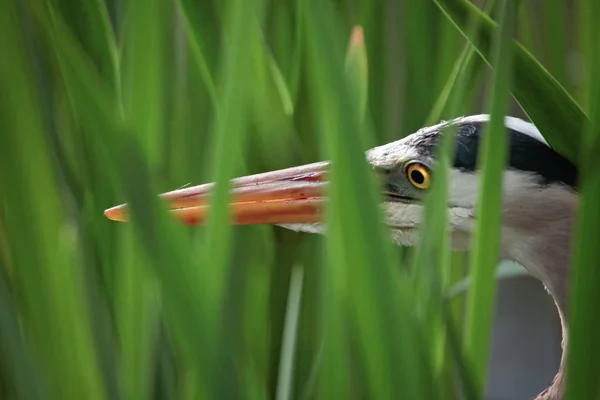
column 418, row 175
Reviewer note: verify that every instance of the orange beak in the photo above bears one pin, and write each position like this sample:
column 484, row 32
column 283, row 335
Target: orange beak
column 287, row 196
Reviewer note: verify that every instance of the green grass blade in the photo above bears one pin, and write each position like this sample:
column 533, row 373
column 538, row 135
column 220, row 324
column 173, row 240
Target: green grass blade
column 231, row 114
column 137, row 318
column 583, row 364
column 420, row 72
column 358, row 245
column 286, row 365
column 494, row 155
column 42, row 240
column 147, row 24
column 432, row 261
column 16, row 357
column 553, row 15
column 357, row 68
column 538, row 92
column 199, row 23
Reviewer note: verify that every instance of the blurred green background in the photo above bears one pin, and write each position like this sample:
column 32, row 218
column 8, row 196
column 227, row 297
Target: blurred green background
column 110, row 101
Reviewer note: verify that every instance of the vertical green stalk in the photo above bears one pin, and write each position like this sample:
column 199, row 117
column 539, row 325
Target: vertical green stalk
column 144, row 62
column 228, row 138
column 485, row 252
column 554, row 16
column 583, row 363
column 364, row 282
column 44, row 242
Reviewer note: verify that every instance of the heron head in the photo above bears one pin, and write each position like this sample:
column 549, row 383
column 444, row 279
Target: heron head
column 535, row 175
column 295, row 197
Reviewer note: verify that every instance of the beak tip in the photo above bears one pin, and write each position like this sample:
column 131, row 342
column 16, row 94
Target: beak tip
column 116, row 213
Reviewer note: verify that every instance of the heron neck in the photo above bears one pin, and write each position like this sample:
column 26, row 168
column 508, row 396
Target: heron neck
column 537, row 235
column 556, row 282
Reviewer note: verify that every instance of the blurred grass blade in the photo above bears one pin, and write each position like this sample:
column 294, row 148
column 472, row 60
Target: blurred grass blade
column 230, row 129
column 42, row 241
column 144, row 72
column 493, row 158
column 272, row 108
column 240, row 41
column 357, row 68
column 420, row 47
column 533, row 87
column 288, row 346
column 461, row 65
column 583, row 363
column 453, row 96
column 137, row 318
column 553, row 15
column 199, row 23
column 78, row 69
column 432, row 262
column 16, row 357
column 359, row 248
column 140, row 152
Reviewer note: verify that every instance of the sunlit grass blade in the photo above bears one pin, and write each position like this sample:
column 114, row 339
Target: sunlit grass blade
column 492, row 161
column 583, row 363
column 538, row 92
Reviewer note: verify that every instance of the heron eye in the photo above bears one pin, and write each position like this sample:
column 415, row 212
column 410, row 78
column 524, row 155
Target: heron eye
column 418, row 175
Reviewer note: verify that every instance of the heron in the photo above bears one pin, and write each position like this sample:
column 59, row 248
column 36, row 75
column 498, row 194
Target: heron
column 539, row 201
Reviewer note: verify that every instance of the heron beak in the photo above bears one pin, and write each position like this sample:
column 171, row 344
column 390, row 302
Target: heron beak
column 287, row 196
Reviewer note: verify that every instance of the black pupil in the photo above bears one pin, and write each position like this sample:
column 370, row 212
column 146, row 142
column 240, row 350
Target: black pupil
column 417, row 177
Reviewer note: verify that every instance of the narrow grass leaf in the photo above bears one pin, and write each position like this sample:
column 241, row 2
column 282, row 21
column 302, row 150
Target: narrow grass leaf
column 357, row 68
column 203, row 34
column 16, row 356
column 583, row 363
column 55, row 320
column 359, row 247
column 288, row 346
column 137, row 318
column 492, row 161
